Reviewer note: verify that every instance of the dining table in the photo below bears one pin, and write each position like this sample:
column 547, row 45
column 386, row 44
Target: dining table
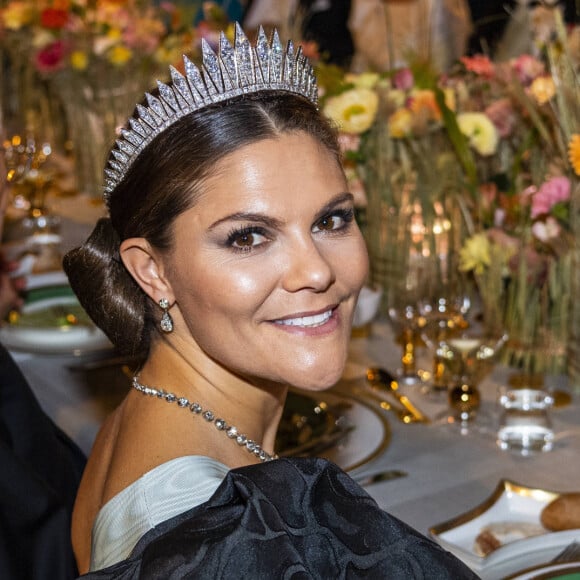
column 441, row 470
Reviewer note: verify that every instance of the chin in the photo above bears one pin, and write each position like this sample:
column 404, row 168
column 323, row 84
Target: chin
column 313, row 382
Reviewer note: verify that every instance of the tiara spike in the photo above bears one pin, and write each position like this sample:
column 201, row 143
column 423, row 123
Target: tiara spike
column 156, row 108
column 238, row 68
column 227, row 62
column 168, row 97
column 211, row 69
column 244, row 63
column 195, row 82
column 137, row 127
column 276, row 56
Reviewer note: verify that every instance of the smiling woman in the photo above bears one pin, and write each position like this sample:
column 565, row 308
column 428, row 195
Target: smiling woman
column 232, row 263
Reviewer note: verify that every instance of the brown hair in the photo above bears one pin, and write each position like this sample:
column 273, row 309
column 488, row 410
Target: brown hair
column 164, row 181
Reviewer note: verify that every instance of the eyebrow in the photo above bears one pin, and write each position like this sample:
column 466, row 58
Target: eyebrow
column 271, row 222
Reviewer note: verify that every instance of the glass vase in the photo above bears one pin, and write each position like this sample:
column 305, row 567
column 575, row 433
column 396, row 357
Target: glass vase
column 537, row 314
column 95, row 108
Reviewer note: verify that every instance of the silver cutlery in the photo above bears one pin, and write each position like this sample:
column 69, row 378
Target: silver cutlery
column 570, row 553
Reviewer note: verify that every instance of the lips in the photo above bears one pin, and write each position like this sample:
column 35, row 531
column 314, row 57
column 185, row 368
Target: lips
column 311, row 321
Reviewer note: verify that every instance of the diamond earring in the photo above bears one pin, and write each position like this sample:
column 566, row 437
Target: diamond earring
column 166, row 322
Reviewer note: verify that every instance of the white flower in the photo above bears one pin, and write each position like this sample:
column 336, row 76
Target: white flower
column 367, row 80
column 546, row 231
column 354, row 111
column 480, row 131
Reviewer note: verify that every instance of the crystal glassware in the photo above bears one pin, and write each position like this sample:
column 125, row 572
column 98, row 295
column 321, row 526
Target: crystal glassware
column 467, row 356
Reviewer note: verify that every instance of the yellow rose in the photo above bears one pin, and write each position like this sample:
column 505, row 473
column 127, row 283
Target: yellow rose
column 480, row 131
column 79, row 60
column 543, row 89
column 354, row 111
column 475, row 254
column 400, row 123
column 119, row 55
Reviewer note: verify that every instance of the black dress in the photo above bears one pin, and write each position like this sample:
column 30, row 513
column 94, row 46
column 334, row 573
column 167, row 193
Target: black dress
column 290, row 518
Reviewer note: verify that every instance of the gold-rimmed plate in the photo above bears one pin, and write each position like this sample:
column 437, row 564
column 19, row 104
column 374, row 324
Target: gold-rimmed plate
column 517, row 506
column 362, row 433
column 56, row 324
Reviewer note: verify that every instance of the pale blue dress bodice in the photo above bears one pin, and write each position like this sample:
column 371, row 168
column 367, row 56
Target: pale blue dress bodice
column 160, row 494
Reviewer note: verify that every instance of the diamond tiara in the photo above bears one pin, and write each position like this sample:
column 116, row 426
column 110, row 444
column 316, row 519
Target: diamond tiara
column 237, row 70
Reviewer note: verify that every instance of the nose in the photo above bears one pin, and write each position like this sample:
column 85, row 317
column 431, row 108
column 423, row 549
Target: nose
column 308, row 267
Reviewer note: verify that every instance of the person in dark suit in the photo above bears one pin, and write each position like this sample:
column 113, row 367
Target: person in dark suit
column 40, row 468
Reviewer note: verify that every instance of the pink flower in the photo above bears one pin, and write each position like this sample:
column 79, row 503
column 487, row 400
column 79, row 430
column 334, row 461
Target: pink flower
column 550, row 193
column 403, row 79
column 478, row 64
column 502, row 116
column 51, row 57
column 527, row 68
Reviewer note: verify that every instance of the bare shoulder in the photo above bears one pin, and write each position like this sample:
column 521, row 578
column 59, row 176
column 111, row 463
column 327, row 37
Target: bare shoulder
column 90, row 496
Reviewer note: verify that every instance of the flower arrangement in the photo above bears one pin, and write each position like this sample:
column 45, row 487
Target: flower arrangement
column 522, row 183
column 97, row 58
column 81, row 35
column 396, row 152
column 506, row 137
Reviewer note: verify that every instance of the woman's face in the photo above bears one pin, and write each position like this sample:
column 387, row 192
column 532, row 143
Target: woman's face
column 266, row 268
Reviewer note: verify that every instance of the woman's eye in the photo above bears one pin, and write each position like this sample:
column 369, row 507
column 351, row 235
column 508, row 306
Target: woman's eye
column 333, row 222
column 246, row 240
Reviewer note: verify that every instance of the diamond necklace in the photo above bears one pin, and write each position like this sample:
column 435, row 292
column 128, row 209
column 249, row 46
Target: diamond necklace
column 196, row 409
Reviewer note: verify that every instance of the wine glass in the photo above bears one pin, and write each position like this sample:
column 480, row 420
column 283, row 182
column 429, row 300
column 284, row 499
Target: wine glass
column 468, row 355
column 440, row 320
column 30, row 178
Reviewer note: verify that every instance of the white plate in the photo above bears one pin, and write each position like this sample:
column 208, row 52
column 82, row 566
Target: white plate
column 53, row 340
column 369, row 437
column 510, row 502
column 57, row 278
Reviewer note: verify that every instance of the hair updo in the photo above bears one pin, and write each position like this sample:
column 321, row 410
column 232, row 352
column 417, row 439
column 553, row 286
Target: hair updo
column 164, row 181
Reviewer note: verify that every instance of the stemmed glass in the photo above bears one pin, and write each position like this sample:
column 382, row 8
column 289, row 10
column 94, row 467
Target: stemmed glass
column 468, row 355
column 29, row 178
column 440, row 320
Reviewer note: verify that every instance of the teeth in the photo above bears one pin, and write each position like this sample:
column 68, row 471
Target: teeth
column 309, row 321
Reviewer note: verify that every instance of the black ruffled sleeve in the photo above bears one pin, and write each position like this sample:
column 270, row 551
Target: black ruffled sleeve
column 290, row 518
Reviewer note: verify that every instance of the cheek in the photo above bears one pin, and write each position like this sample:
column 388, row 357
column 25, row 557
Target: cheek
column 235, row 289
column 353, row 262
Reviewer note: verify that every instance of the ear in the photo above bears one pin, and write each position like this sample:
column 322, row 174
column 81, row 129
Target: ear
column 147, row 268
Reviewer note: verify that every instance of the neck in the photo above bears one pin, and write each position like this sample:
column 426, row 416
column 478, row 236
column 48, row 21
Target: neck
column 255, row 409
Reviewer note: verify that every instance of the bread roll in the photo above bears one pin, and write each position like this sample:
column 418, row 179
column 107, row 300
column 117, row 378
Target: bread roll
column 562, row 513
